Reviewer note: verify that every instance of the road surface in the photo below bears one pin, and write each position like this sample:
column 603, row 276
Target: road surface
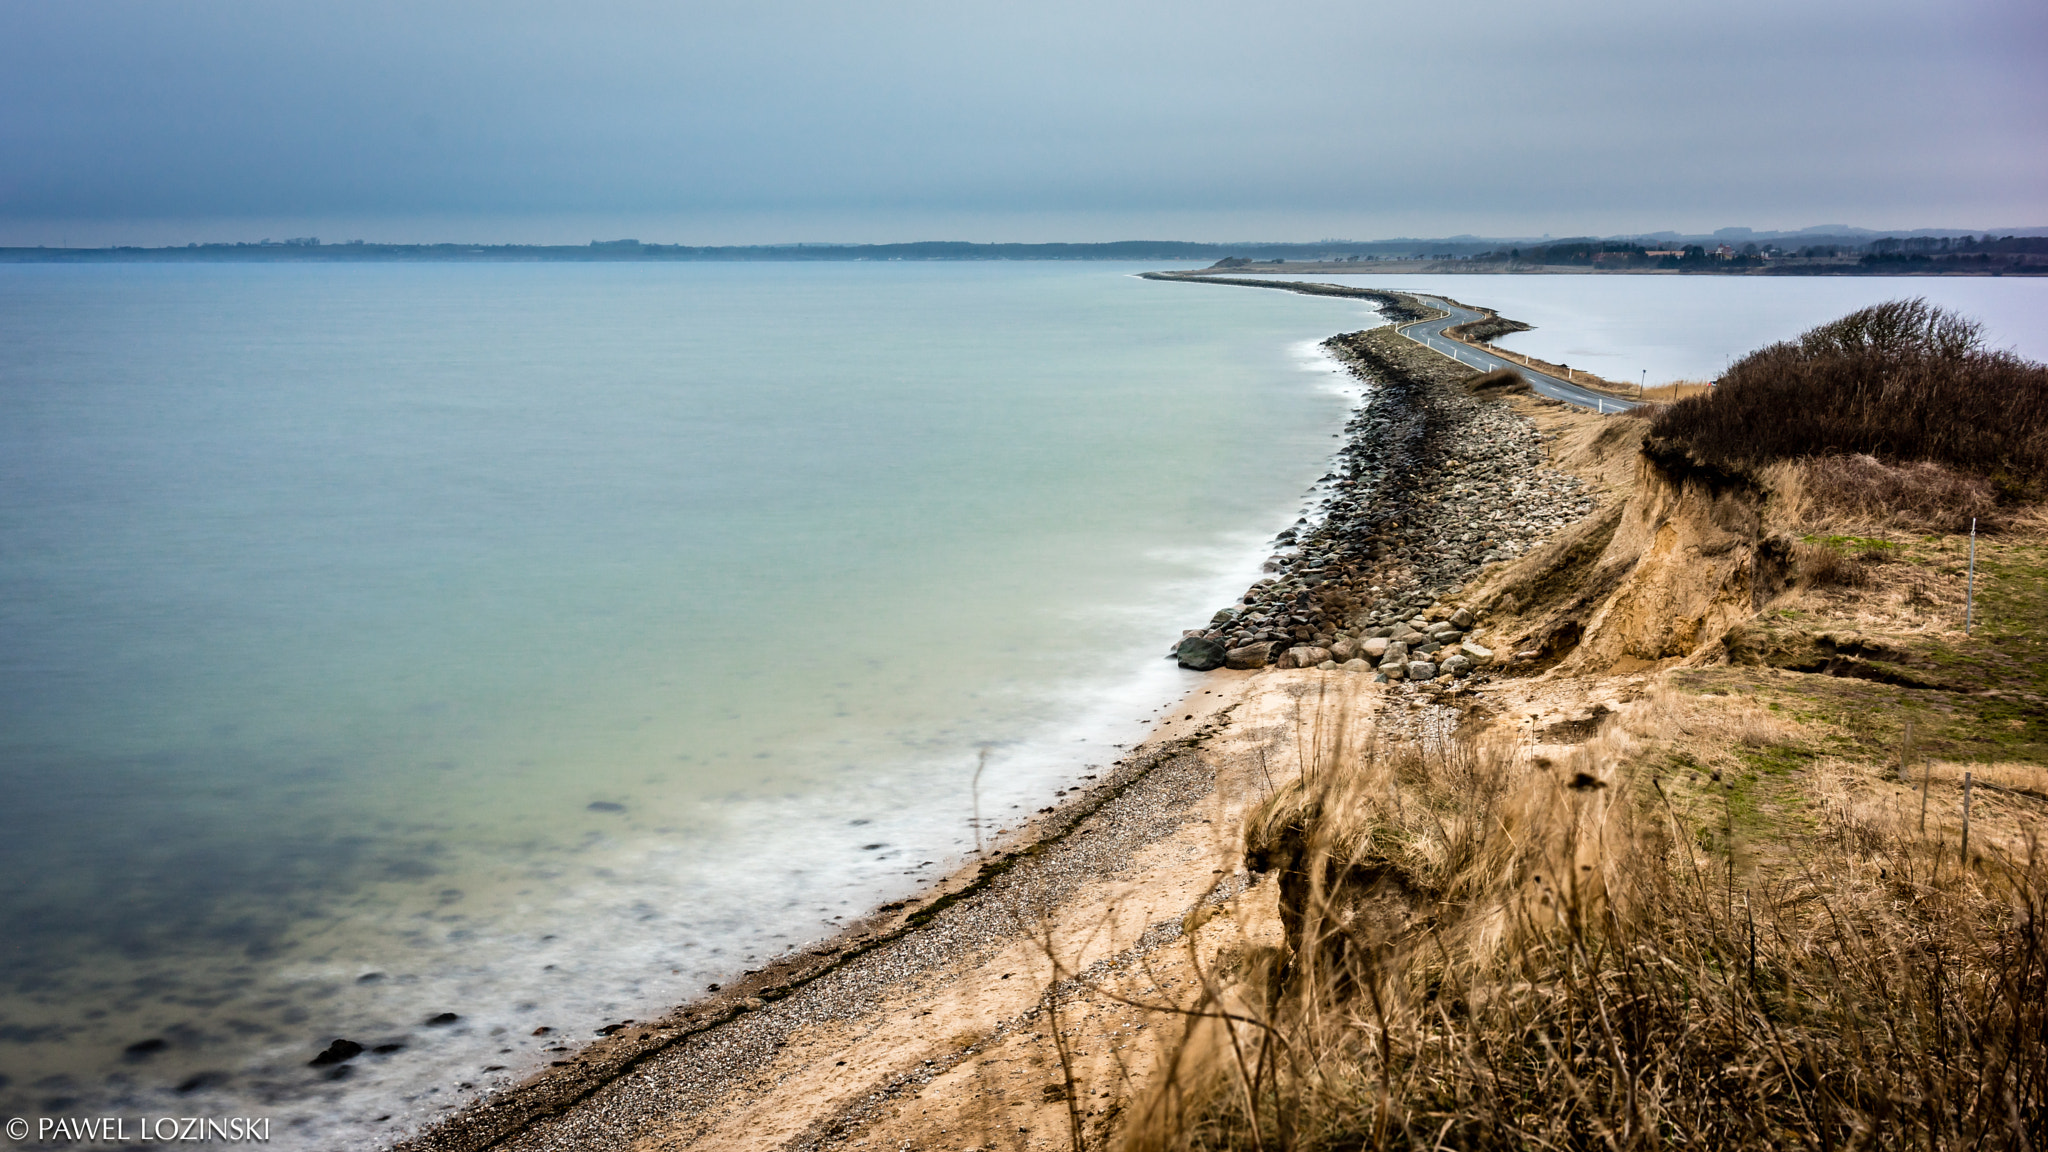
column 1430, row 333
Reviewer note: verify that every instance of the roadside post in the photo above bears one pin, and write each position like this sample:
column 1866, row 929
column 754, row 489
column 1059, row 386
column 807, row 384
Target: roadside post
column 1970, row 590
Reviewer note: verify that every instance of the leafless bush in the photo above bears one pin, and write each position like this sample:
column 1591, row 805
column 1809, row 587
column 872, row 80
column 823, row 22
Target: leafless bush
column 1901, row 381
column 1823, row 566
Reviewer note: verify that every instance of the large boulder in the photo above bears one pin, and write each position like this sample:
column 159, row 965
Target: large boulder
column 1374, row 648
column 1304, row 657
column 1396, row 653
column 1463, row 619
column 1343, row 650
column 1200, row 653
column 1421, row 670
column 1357, row 666
column 1472, row 651
column 1249, row 656
column 1457, row 665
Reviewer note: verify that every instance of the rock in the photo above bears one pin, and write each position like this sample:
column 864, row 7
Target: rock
column 336, row 1052
column 1374, row 648
column 1463, row 620
column 441, row 1019
column 1457, row 665
column 1409, row 636
column 1327, row 666
column 1199, row 653
column 1396, row 653
column 1249, row 656
column 1472, row 651
column 1304, row 657
column 1421, row 670
column 1394, row 671
column 1223, row 616
column 1343, row 650
column 1356, row 666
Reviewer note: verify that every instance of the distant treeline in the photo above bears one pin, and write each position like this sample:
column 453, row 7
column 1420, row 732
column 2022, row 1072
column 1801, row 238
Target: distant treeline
column 1960, row 253
column 309, row 248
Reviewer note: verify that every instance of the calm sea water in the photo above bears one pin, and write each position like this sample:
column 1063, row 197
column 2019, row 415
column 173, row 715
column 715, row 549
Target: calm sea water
column 540, row 643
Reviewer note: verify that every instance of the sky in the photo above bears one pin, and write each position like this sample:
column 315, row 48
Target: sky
column 776, row 121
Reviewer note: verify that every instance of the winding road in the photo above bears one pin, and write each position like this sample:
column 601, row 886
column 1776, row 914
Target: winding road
column 1430, row 334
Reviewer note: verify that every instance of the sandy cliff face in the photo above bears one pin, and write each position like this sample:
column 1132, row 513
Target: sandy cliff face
column 1681, row 555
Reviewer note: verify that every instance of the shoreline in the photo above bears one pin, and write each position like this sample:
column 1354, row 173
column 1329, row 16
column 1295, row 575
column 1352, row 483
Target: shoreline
column 721, row 1046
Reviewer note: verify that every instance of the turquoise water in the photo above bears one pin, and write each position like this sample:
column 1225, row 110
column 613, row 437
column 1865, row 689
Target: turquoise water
column 332, row 599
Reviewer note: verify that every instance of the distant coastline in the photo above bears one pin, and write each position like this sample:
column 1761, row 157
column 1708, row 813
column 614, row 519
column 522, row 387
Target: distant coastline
column 1857, row 254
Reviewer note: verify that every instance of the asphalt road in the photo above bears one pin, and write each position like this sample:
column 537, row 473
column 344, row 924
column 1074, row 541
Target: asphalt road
column 1431, row 334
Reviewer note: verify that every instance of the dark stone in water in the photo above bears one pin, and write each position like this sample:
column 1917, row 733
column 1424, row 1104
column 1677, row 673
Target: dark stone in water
column 341, row 1073
column 443, row 1018
column 369, row 977
column 143, row 1049
column 605, row 806
column 711, row 988
column 388, row 1049
column 1200, row 654
column 872, row 847
column 336, row 1053
column 201, row 1081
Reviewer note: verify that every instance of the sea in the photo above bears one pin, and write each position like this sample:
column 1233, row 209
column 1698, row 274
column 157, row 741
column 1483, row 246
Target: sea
column 538, row 644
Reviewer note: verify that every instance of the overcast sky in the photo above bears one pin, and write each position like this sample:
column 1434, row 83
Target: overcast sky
column 783, row 120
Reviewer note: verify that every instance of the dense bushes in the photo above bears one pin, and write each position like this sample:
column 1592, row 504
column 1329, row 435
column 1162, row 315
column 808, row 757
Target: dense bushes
column 1901, row 381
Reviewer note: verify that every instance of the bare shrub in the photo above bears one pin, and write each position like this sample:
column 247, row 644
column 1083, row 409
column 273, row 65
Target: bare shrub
column 1488, row 954
column 1823, row 566
column 1901, row 381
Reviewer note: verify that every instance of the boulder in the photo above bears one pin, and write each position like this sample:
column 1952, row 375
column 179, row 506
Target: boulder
column 1249, row 656
column 1396, row 653
column 1199, row 653
column 1327, row 666
column 1457, row 665
column 1345, row 649
column 1374, row 648
column 1303, row 657
column 1409, row 636
column 1464, row 619
column 1421, row 670
column 1223, row 616
column 1472, row 651
column 1356, row 666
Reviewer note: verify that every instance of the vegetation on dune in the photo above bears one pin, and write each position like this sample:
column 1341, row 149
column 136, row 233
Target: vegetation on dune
column 1907, row 386
column 1492, row 949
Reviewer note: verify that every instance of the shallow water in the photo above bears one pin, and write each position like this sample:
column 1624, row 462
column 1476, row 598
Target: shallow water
column 539, row 643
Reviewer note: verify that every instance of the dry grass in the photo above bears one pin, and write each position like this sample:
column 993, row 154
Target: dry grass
column 1676, row 390
column 1823, row 566
column 1863, row 492
column 1487, row 948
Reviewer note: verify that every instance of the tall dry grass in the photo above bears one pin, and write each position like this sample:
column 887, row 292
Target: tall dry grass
column 1486, row 949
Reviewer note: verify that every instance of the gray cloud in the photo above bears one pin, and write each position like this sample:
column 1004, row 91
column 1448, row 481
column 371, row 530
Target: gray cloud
column 1101, row 117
